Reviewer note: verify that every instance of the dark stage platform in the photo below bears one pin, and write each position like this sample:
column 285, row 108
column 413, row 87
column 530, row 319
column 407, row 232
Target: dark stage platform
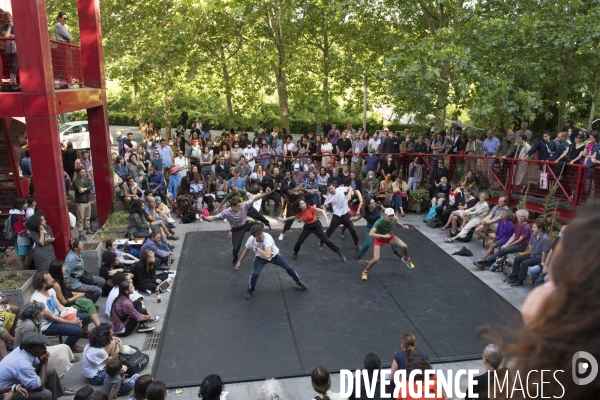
column 284, row 332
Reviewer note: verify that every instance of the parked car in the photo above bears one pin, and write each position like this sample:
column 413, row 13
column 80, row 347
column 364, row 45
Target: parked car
column 76, row 132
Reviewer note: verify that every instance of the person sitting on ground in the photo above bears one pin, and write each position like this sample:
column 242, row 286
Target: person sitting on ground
column 102, row 348
column 138, row 225
column 157, row 390
column 153, row 219
column 69, row 299
column 141, row 386
column 408, row 343
column 538, row 248
column 415, row 361
column 52, row 323
column 472, row 217
column 125, row 259
column 457, row 215
column 163, row 210
column 174, row 181
column 321, row 383
column 135, row 297
column 371, row 364
column 504, row 231
column 27, row 367
column 145, row 277
column 125, row 317
column 114, row 381
column 109, row 266
column 162, row 253
column 211, row 388
column 516, row 244
column 440, row 192
column 492, row 359
column 61, row 356
column 74, row 270
column 131, row 191
column 490, row 222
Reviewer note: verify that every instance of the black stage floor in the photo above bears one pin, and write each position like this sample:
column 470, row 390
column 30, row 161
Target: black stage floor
column 284, row 332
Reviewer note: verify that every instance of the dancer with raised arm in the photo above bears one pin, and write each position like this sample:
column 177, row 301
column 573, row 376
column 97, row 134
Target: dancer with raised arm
column 308, row 215
column 382, row 234
column 338, row 198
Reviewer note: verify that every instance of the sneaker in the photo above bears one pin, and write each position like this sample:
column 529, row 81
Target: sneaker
column 171, row 231
column 281, row 236
column 365, row 275
column 358, row 247
column 145, row 328
column 133, row 378
column 149, row 292
column 248, row 295
column 512, row 280
column 303, row 285
column 517, row 283
column 342, row 236
column 343, row 257
column 229, row 235
column 320, row 246
column 173, row 237
column 295, row 256
column 154, row 319
column 408, row 263
column 91, row 232
column 265, row 212
column 272, row 229
column 171, row 247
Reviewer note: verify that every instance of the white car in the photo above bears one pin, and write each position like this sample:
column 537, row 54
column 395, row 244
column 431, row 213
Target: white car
column 77, row 133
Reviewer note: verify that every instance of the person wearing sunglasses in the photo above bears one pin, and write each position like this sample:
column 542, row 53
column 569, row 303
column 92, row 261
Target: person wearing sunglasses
column 61, row 33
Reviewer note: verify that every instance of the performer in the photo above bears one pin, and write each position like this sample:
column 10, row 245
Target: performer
column 265, row 252
column 308, row 214
column 293, row 195
column 382, row 234
column 371, row 213
column 356, row 207
column 237, row 216
column 242, row 195
column 339, row 202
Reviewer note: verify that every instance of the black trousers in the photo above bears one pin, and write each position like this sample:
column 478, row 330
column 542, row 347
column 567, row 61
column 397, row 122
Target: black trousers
column 151, row 286
column 276, row 197
column 237, row 237
column 317, row 230
column 521, row 265
column 444, row 215
column 345, row 221
column 288, row 224
column 253, row 213
column 131, row 323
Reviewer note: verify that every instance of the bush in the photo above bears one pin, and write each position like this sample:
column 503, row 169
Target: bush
column 118, row 218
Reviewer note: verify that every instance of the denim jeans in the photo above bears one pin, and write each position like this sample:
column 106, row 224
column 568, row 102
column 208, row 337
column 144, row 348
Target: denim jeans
column 536, row 273
column 397, row 203
column 92, row 292
column 412, row 184
column 73, row 332
column 98, row 380
column 259, row 264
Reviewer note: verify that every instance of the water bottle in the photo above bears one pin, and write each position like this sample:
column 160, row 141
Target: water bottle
column 158, row 296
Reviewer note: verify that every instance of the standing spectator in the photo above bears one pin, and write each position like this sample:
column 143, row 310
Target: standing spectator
column 83, row 187
column 61, row 33
column 333, row 134
column 507, row 149
column 27, row 367
column 415, row 173
column 26, row 165
column 23, row 243
column 490, row 146
column 371, row 163
column 520, row 177
column 472, row 149
column 166, row 154
column 10, row 49
column 205, row 128
column 420, row 146
column 74, row 270
column 42, row 237
column 184, row 119
column 544, row 147
column 69, row 158
column 524, row 130
column 375, row 142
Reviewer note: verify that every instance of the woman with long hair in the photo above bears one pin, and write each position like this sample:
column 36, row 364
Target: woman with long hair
column 141, row 386
column 110, row 265
column 138, row 225
column 308, row 215
column 131, row 191
column 67, row 298
column 74, row 271
column 125, row 317
column 415, row 173
column 145, row 277
column 43, row 238
column 225, row 151
column 69, row 158
column 119, row 167
column 206, row 160
column 184, row 197
column 195, row 152
column 133, row 166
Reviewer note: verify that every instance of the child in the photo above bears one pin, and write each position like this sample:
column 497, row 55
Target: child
column 114, row 383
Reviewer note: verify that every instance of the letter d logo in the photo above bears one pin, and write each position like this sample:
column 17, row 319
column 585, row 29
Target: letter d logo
column 582, row 367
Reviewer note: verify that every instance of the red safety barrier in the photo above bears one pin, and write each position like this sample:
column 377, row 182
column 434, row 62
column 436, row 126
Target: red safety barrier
column 67, row 67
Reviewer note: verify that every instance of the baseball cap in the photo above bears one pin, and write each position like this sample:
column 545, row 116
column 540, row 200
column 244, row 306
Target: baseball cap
column 389, row 211
column 253, row 176
column 371, row 150
column 385, row 129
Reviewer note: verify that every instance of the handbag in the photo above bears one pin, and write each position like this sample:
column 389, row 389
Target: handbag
column 135, row 362
column 86, row 278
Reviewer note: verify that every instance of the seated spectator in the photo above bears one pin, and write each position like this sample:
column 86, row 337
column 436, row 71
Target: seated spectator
column 61, row 356
column 68, row 299
column 174, row 181
column 321, row 383
column 135, row 297
column 125, row 317
column 124, row 258
column 156, row 182
column 457, row 215
column 504, row 231
column 114, row 381
column 399, row 195
column 163, row 210
column 138, row 225
column 539, row 272
column 372, row 364
column 184, row 198
column 8, row 314
column 492, row 359
column 370, row 186
column 440, row 192
column 154, row 219
column 74, row 271
column 408, row 344
column 162, row 253
column 453, row 200
column 98, row 352
column 210, row 388
column 472, row 217
column 538, row 248
column 110, row 266
column 42, row 237
column 517, row 243
column 131, row 191
column 415, row 361
column 145, row 277
column 141, row 386
column 52, row 322
column 27, row 366
column 490, row 222
column 156, row 391
column 470, row 183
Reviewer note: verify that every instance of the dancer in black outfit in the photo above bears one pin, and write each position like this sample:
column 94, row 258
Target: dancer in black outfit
column 338, row 198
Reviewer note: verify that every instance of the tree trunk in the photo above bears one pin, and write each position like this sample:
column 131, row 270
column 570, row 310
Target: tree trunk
column 365, row 98
column 227, row 84
column 138, row 103
column 441, row 100
column 594, row 96
column 325, row 67
column 284, row 114
column 167, row 109
column 279, row 67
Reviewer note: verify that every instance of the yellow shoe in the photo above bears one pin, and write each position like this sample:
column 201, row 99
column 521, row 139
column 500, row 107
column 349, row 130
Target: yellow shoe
column 408, row 263
column 365, row 275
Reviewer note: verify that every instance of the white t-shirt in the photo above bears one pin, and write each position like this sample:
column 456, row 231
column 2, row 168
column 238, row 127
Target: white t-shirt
column 250, row 153
column 338, row 201
column 374, row 143
column 93, row 360
column 49, row 303
column 267, row 242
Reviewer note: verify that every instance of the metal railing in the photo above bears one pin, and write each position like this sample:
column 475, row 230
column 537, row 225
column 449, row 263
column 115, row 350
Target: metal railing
column 67, row 67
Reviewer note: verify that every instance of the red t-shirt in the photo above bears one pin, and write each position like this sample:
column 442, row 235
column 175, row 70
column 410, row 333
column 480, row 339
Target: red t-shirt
column 309, row 215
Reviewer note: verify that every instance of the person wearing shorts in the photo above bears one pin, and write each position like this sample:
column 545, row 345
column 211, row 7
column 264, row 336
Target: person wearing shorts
column 382, row 234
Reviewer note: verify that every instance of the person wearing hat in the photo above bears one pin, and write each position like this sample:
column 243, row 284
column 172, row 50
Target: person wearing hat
column 174, row 181
column 27, row 368
column 382, row 234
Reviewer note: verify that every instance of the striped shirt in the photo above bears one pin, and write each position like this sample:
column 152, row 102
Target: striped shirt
column 539, row 246
column 236, row 219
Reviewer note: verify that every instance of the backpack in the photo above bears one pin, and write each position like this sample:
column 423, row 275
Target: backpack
column 135, row 362
column 434, row 223
column 134, row 252
column 9, row 233
column 188, row 217
column 467, row 238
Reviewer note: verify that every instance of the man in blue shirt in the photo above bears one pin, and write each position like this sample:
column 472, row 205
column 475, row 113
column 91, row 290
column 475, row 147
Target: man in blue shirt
column 237, row 179
column 166, row 154
column 27, row 366
column 26, row 165
column 371, row 163
column 156, row 181
column 490, row 146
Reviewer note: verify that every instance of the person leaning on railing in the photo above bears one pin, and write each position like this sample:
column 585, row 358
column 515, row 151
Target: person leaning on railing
column 61, row 33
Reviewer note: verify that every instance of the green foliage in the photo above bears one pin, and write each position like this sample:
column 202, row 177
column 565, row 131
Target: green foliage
column 550, row 206
column 10, row 278
column 118, row 218
column 418, row 195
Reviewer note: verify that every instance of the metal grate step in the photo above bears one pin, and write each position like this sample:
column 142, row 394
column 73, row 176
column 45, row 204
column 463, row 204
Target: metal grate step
column 152, row 340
